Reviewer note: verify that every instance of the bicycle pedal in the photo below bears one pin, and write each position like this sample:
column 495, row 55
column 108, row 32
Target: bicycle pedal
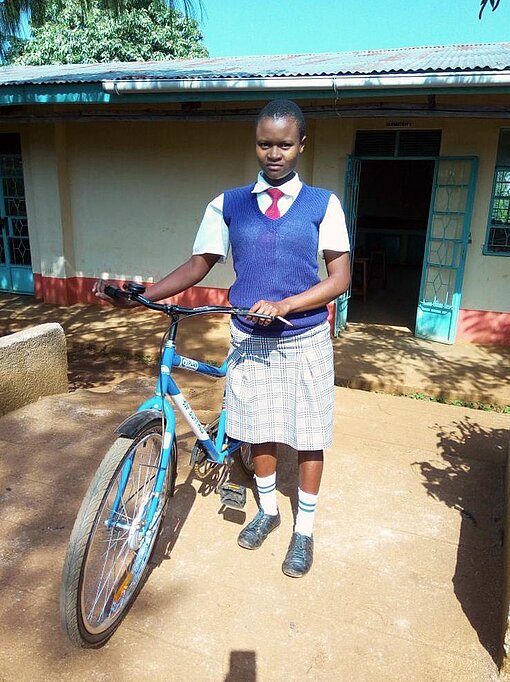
column 232, row 495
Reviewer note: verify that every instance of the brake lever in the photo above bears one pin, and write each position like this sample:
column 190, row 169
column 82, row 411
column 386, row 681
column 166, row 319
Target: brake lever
column 282, row 319
column 261, row 316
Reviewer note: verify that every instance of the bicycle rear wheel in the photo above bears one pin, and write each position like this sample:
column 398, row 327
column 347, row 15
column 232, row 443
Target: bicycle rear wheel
column 114, row 536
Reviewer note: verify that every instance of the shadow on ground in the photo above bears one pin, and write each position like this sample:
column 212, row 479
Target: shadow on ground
column 49, row 453
column 242, row 666
column 392, row 360
column 105, row 342
column 51, row 449
column 469, row 477
column 367, row 356
column 200, row 481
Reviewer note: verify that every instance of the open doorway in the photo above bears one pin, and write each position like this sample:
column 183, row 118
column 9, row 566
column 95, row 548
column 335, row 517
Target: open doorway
column 392, row 217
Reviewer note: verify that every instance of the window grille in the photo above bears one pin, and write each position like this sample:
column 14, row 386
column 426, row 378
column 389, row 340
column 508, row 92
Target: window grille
column 499, row 226
column 498, row 231
column 375, row 143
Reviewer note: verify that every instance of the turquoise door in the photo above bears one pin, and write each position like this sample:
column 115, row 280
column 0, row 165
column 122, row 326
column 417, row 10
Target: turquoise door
column 15, row 262
column 352, row 178
column 445, row 248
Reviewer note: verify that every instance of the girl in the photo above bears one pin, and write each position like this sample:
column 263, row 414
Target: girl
column 280, row 379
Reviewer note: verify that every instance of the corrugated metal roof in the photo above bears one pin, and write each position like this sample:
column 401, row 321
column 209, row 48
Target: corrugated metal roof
column 436, row 59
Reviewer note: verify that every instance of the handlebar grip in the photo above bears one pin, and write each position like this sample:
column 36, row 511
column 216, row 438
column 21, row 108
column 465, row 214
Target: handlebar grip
column 112, row 292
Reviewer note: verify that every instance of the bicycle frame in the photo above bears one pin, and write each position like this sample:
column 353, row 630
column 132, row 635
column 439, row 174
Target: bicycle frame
column 217, row 451
column 117, row 527
column 166, row 385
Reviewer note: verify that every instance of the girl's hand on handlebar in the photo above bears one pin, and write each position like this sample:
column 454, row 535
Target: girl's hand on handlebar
column 272, row 308
column 98, row 288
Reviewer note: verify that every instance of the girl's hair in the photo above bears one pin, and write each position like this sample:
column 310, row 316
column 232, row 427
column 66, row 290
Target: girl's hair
column 284, row 108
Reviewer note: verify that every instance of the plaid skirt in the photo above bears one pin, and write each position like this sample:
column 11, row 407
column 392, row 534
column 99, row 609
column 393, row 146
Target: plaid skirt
column 281, row 390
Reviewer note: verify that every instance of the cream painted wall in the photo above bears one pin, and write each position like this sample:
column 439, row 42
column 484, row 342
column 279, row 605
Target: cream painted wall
column 125, row 199
column 138, row 192
column 44, row 208
column 487, row 278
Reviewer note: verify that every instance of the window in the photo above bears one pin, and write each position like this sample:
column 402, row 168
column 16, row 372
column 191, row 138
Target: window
column 498, row 231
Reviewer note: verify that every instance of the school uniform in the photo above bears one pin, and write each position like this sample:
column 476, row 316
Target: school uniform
column 280, row 379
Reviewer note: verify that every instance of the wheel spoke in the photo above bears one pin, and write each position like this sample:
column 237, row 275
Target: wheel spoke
column 113, row 552
column 101, row 588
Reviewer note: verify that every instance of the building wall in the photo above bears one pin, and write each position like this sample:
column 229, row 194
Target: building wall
column 123, row 200
column 485, row 276
column 485, row 304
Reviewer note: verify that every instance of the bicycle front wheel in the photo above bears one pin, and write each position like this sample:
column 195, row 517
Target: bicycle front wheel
column 114, row 536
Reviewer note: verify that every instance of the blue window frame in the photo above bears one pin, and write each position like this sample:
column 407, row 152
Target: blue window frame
column 497, row 242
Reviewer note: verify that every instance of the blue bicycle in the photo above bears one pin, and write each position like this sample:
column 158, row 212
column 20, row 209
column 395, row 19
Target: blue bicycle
column 118, row 523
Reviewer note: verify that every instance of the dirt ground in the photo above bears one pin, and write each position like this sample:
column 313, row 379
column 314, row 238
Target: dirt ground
column 407, row 579
column 407, row 582
column 90, row 368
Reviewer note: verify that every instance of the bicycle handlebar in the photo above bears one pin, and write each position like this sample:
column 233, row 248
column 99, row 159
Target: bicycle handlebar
column 170, row 309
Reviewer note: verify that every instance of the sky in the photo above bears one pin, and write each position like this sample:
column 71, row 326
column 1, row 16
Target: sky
column 242, row 27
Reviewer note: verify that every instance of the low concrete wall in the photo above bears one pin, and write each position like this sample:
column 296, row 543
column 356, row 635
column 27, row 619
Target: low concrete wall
column 33, row 363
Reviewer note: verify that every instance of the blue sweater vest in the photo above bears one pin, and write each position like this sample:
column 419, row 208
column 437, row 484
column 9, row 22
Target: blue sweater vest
column 274, row 259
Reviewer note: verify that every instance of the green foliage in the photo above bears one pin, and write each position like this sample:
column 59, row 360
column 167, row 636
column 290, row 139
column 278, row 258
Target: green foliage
column 472, row 404
column 69, row 33
column 12, row 13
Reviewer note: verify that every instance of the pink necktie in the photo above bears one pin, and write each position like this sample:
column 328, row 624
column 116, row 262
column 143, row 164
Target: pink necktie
column 273, row 211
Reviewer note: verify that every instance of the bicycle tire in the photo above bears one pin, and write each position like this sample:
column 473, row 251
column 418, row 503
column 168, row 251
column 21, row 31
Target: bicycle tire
column 78, row 573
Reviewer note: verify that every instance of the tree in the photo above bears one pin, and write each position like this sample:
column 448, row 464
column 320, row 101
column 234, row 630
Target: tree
column 13, row 13
column 67, row 32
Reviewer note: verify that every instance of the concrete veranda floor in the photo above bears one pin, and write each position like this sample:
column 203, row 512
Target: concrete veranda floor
column 407, row 579
column 368, row 356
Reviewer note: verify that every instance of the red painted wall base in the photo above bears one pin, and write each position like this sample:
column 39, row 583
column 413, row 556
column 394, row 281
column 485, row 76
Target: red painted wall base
column 79, row 290
column 484, row 327
column 475, row 326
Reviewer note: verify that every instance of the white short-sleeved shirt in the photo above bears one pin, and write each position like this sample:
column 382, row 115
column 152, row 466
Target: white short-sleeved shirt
column 213, row 234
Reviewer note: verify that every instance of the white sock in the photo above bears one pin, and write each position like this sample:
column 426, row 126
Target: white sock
column 306, row 512
column 266, row 486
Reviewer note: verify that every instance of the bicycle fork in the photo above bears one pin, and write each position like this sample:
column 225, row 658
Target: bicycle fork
column 142, row 521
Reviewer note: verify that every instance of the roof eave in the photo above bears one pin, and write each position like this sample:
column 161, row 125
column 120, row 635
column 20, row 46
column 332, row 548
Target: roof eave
column 231, row 89
column 309, row 83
